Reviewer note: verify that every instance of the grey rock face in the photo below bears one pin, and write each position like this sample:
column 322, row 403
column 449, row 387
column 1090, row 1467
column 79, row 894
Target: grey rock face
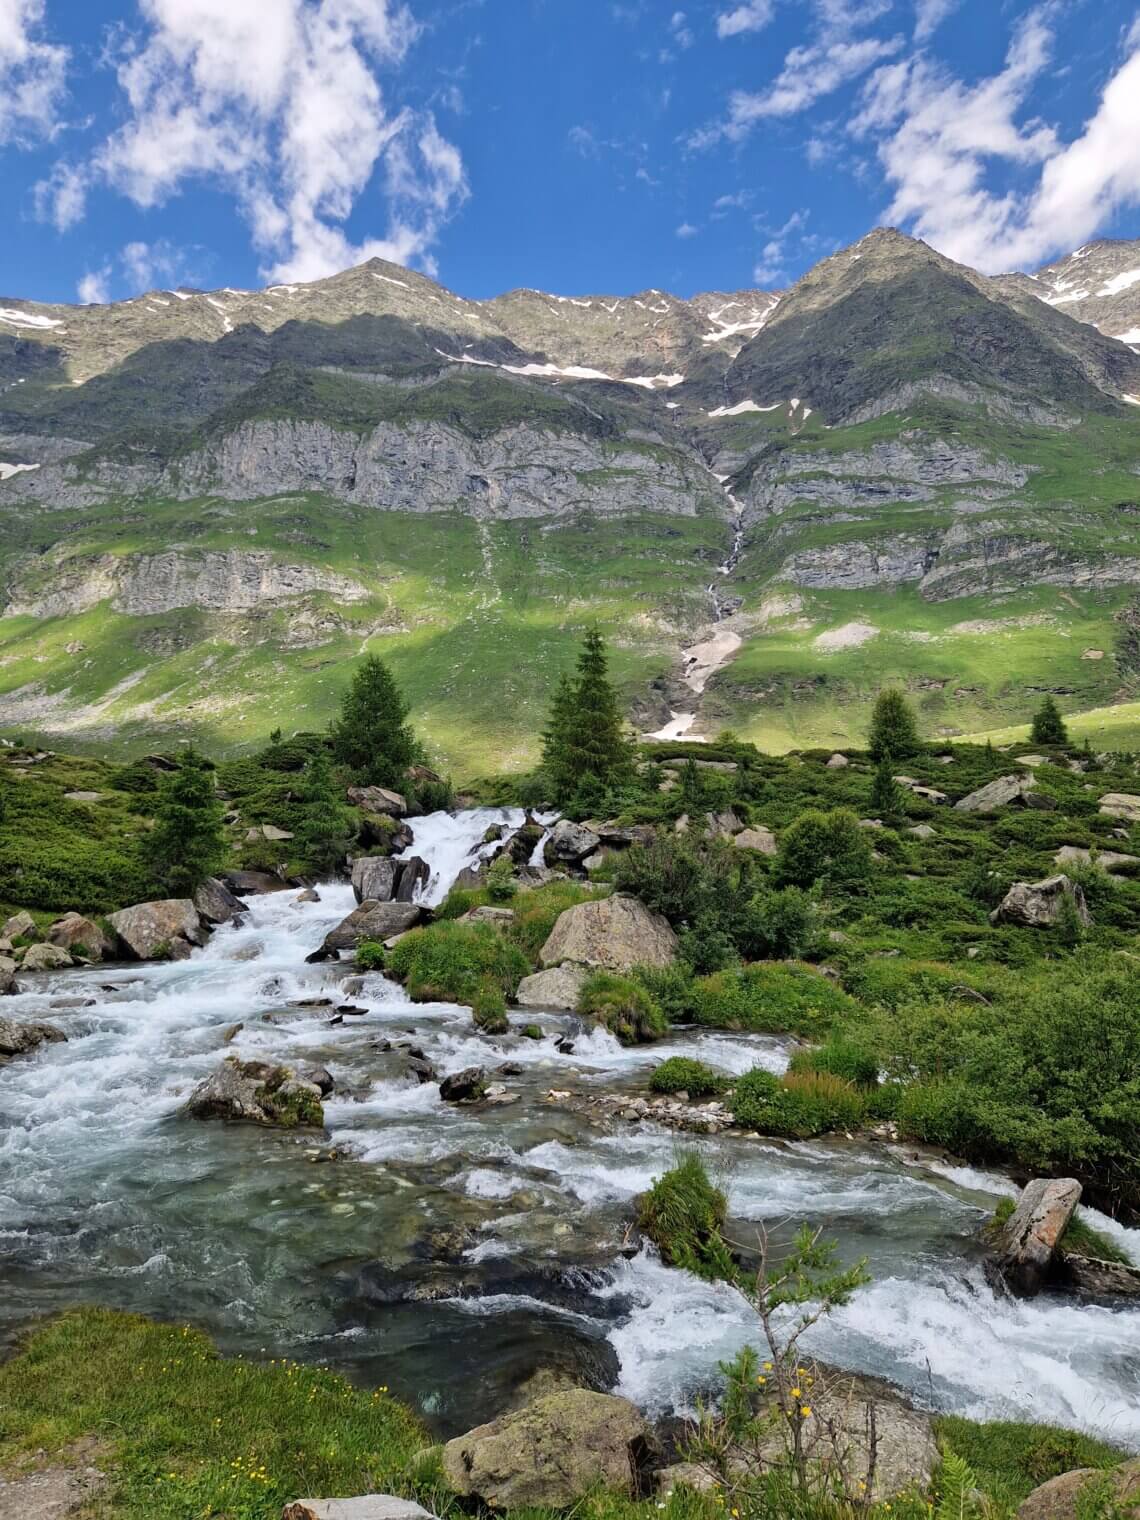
column 613, row 934
column 372, row 920
column 570, row 843
column 216, row 903
column 1037, row 904
column 164, row 928
column 1033, row 1232
column 375, row 877
column 557, row 988
column 1003, row 792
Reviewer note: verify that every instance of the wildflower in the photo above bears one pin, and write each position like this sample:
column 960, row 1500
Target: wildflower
column 795, row 1393
column 805, row 1410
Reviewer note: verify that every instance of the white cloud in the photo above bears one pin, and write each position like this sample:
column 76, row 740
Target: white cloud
column 687, row 230
column 278, row 102
column 929, row 16
column 94, row 289
column 770, row 267
column 753, row 16
column 62, row 198
column 938, row 139
column 681, row 30
column 32, row 74
column 147, row 266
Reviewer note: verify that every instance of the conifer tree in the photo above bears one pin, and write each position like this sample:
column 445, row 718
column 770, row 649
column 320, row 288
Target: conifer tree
column 1048, row 724
column 584, row 749
column 325, row 828
column 888, row 800
column 371, row 738
column 556, row 739
column 893, row 729
column 187, row 843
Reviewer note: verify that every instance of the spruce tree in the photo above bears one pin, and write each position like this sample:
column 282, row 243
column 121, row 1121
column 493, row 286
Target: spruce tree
column 187, row 843
column 556, row 739
column 325, row 827
column 371, row 738
column 893, row 729
column 888, row 800
column 584, row 749
column 1048, row 724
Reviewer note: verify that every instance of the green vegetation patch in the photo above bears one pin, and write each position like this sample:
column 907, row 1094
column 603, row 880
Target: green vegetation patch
column 450, row 962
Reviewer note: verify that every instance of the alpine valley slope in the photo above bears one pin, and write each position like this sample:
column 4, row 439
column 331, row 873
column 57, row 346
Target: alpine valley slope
column 898, row 469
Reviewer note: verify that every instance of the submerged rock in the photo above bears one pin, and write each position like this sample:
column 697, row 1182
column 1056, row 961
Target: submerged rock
column 1038, row 904
column 19, row 1039
column 551, row 1453
column 1030, row 1237
column 257, row 1092
column 613, row 934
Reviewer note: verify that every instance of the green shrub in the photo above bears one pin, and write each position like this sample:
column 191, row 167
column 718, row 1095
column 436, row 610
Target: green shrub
column 537, row 912
column 842, row 1057
column 370, row 955
column 770, row 999
column 489, row 1008
column 683, row 1214
column 824, row 847
column 501, row 883
column 800, row 1104
column 623, row 1006
column 672, row 988
column 449, row 962
column 682, row 1074
column 779, row 925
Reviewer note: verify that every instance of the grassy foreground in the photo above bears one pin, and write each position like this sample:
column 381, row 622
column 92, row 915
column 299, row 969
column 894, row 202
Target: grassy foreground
column 188, row 1435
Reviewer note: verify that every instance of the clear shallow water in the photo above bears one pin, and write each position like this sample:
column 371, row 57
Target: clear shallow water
column 451, row 1252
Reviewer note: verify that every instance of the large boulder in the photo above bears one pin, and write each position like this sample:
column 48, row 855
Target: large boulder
column 216, row 903
column 550, row 1454
column 759, row 839
column 570, row 843
column 378, row 799
column 1092, row 1278
column 557, row 988
column 1109, row 861
column 376, row 877
column 1037, row 904
column 45, row 958
column 1030, row 1237
column 1067, row 1497
column 415, row 873
column 613, row 934
column 1123, row 805
column 19, row 1039
column 257, row 1092
column 159, row 930
column 8, row 983
column 464, row 1086
column 1006, row 791
column 20, row 926
column 80, row 937
column 372, row 920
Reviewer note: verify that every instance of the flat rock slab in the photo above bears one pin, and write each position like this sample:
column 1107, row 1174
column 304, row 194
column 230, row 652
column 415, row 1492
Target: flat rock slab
column 366, row 1507
column 52, row 1494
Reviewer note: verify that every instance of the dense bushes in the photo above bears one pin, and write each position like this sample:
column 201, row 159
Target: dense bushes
column 624, row 1006
column 682, row 1074
column 824, row 847
column 799, row 1105
column 842, row 1057
column 770, row 999
column 454, row 963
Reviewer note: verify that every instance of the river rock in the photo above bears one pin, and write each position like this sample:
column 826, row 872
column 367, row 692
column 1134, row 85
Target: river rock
column 155, row 930
column 257, row 1092
column 254, row 883
column 216, row 903
column 551, row 1453
column 1093, row 1278
column 80, row 937
column 45, row 958
column 557, row 988
column 614, row 934
column 366, row 1507
column 1004, row 792
column 1061, row 1498
column 759, row 839
column 20, row 926
column 1037, row 904
column 570, row 843
column 19, row 1039
column 525, row 841
column 375, row 878
column 319, row 1076
column 414, row 874
column 372, row 920
column 464, row 1086
column 378, row 799
column 8, row 983
column 1031, row 1235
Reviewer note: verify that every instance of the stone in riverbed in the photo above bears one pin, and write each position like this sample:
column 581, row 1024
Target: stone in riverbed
column 45, row 958
column 1031, row 1235
column 366, row 1507
column 159, row 930
column 19, row 1039
column 557, row 988
column 216, row 903
column 613, row 934
column 570, row 843
column 376, row 877
column 254, row 883
column 372, row 920
column 257, row 1092
column 464, row 1086
column 551, row 1453
column 80, row 937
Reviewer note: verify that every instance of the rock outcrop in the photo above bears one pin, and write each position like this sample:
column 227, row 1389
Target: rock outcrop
column 612, row 934
column 570, row 843
column 1038, row 904
column 551, row 1453
column 1030, row 1238
column 217, row 904
column 165, row 930
column 45, row 958
column 1006, row 791
column 257, row 1092
column 464, row 1086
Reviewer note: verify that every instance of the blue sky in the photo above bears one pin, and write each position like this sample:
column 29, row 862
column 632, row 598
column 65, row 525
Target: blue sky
column 570, row 145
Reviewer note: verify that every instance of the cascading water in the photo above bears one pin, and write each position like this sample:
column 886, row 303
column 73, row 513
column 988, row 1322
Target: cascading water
column 447, row 842
column 448, row 1251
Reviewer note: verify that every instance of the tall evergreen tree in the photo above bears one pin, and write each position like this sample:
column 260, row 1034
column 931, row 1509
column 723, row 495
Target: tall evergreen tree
column 325, row 827
column 584, row 749
column 1048, row 724
column 371, row 737
column 187, row 843
column 888, row 800
column 893, row 729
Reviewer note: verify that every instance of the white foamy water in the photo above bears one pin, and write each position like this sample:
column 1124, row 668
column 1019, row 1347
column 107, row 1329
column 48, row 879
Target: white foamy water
column 108, row 1194
column 448, row 842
